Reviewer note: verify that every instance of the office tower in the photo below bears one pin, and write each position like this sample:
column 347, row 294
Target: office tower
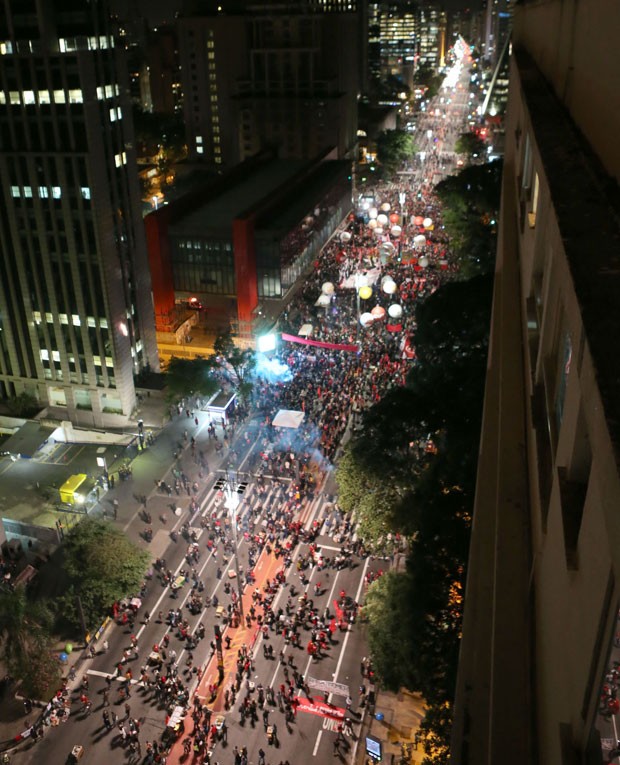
column 540, row 632
column 431, row 36
column 497, row 23
column 397, row 36
column 76, row 314
column 271, row 76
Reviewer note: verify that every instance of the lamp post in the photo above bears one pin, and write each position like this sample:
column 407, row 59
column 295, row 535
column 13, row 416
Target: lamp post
column 233, row 491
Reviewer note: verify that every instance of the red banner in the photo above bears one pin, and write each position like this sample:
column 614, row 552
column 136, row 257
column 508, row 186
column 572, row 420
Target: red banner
column 317, row 706
column 319, row 343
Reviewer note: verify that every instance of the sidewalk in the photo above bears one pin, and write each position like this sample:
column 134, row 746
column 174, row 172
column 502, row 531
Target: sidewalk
column 402, row 713
column 155, row 462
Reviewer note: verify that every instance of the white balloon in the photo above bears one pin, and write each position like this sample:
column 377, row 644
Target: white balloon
column 382, row 219
column 373, row 212
column 389, row 287
column 427, row 222
column 328, row 288
column 372, row 223
column 345, row 236
column 324, row 300
column 379, row 230
column 361, row 280
column 395, row 311
column 385, row 206
column 366, row 319
column 419, row 240
column 424, row 262
column 396, row 230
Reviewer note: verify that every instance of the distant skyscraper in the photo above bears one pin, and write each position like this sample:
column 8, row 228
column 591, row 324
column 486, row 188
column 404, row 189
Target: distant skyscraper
column 431, row 35
column 275, row 75
column 76, row 313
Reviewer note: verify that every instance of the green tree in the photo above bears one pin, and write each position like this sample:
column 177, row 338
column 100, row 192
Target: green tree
column 435, row 731
column 394, row 147
column 389, row 616
column 469, row 144
column 426, row 77
column 470, row 202
column 191, row 377
column 26, row 642
column 23, row 405
column 103, row 566
column 237, row 363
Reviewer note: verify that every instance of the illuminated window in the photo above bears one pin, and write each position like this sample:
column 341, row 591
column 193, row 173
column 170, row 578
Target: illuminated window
column 76, row 320
column 531, row 215
column 85, row 192
column 200, row 149
column 6, row 48
column 28, row 192
column 109, row 91
column 112, row 114
column 14, row 97
column 2, row 97
column 198, row 139
column 56, row 355
column 29, row 97
column 59, row 97
column 45, row 356
column 91, row 321
column 44, row 97
column 15, row 192
column 44, row 192
column 56, row 193
column 75, row 96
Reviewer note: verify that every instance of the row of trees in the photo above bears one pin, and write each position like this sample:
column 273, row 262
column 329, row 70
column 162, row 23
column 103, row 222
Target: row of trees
column 96, row 566
column 411, row 471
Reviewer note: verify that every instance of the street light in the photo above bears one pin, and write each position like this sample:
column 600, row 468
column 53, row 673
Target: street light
column 233, row 491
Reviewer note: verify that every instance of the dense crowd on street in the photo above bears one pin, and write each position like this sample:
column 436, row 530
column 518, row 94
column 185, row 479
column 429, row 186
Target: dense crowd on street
column 289, row 618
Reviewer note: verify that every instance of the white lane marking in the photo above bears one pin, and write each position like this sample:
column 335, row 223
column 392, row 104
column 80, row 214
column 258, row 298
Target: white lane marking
column 318, row 741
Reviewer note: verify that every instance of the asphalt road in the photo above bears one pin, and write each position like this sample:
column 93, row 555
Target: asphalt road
column 341, row 664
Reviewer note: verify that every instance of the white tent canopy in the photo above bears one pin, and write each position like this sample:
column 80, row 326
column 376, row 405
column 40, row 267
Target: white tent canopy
column 288, row 418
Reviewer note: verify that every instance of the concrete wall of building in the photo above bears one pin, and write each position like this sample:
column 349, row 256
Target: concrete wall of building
column 557, row 254
column 575, row 45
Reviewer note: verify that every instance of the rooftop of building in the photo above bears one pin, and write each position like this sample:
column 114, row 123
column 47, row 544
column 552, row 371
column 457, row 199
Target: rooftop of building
column 277, row 192
column 217, row 213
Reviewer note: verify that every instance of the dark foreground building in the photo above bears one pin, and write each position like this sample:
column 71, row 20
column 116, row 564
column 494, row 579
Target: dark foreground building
column 541, row 627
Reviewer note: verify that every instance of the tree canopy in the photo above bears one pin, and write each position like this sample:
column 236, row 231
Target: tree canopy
column 470, row 202
column 237, row 363
column 26, row 643
column 394, row 147
column 103, row 566
column 470, row 144
column 191, row 376
column 425, row 76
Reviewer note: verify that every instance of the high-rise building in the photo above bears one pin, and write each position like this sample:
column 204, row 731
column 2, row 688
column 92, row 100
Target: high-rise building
column 283, row 76
column 431, row 35
column 76, row 312
column 539, row 659
column 497, row 23
column 392, row 40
